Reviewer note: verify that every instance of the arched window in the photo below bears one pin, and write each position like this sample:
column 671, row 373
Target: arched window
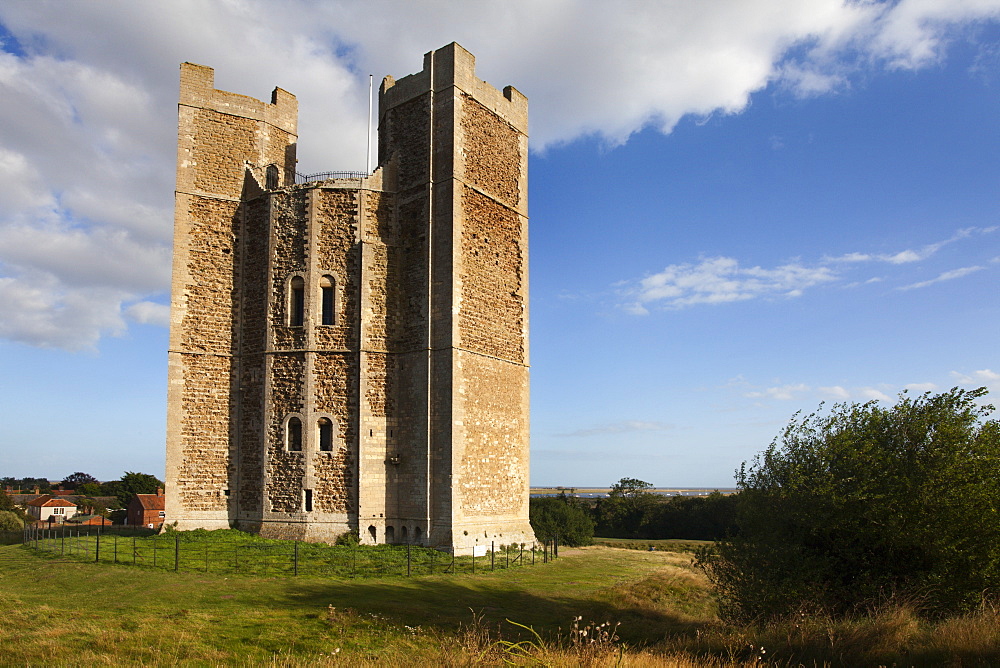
column 327, row 288
column 402, row 534
column 296, row 302
column 271, row 177
column 390, row 534
column 325, row 435
column 416, row 534
column 371, row 532
column 293, row 435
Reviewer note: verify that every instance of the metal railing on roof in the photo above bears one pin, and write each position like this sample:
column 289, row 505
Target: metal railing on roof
column 323, row 176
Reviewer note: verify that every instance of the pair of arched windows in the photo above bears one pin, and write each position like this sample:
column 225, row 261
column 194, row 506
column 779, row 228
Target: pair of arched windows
column 297, row 301
column 293, row 434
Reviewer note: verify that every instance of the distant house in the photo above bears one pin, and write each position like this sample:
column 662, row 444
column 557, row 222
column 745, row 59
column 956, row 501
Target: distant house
column 146, row 510
column 47, row 508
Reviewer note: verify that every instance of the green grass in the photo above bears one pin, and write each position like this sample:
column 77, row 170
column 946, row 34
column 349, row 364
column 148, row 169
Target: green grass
column 62, row 612
column 649, row 545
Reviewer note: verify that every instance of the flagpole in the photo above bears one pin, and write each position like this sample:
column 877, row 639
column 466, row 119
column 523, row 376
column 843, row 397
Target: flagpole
column 371, row 79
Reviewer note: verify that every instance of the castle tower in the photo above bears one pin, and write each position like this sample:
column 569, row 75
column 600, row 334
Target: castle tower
column 351, row 354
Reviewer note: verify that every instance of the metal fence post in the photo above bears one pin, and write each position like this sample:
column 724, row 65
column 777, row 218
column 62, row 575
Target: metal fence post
column 97, row 548
column 62, row 548
column 493, row 555
column 407, row 560
column 295, row 562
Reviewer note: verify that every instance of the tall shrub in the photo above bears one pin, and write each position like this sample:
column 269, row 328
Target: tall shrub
column 849, row 508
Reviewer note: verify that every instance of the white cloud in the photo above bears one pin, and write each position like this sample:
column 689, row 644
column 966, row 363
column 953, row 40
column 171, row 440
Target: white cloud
column 782, row 392
column 834, row 392
column 946, row 276
column 720, row 280
column 911, row 255
column 87, row 124
column 624, row 427
column 981, row 377
column 872, row 394
column 149, row 313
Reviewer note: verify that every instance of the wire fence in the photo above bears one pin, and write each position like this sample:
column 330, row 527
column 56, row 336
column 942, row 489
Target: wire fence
column 201, row 552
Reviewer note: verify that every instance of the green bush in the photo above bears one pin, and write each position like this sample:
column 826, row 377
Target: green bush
column 563, row 518
column 9, row 521
column 865, row 504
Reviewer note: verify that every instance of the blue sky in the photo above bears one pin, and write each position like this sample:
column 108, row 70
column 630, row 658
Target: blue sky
column 738, row 210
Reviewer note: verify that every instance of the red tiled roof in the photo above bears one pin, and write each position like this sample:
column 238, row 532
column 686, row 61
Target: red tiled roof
column 151, row 501
column 46, row 501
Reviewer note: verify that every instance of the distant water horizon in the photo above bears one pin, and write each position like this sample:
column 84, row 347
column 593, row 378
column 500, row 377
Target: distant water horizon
column 598, row 492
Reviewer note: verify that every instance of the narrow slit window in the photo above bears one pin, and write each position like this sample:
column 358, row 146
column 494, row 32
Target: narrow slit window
column 308, row 501
column 297, row 302
column 327, row 287
column 294, row 435
column 325, row 435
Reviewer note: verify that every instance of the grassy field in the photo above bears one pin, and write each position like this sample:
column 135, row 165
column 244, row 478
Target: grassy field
column 649, row 545
column 61, row 612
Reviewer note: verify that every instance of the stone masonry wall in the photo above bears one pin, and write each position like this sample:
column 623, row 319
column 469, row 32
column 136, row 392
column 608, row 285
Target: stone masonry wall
column 288, row 215
column 205, row 433
column 334, row 386
column 336, row 213
column 491, row 318
column 285, row 469
column 208, row 316
column 227, row 143
column 494, row 462
column 492, row 152
column 253, row 344
column 403, row 130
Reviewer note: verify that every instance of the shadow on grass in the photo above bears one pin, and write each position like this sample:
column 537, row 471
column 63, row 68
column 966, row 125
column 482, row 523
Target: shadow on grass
column 446, row 604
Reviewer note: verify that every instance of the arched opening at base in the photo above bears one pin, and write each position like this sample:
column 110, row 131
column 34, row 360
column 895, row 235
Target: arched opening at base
column 372, row 533
column 390, row 534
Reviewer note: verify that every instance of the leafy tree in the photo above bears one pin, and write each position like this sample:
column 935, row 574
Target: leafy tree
column 9, row 521
column 561, row 517
column 27, row 484
column 74, row 480
column 847, row 509
column 131, row 484
column 111, row 487
column 626, row 510
column 89, row 489
column 710, row 517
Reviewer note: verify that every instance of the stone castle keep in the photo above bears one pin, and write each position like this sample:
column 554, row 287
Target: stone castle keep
column 352, row 353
